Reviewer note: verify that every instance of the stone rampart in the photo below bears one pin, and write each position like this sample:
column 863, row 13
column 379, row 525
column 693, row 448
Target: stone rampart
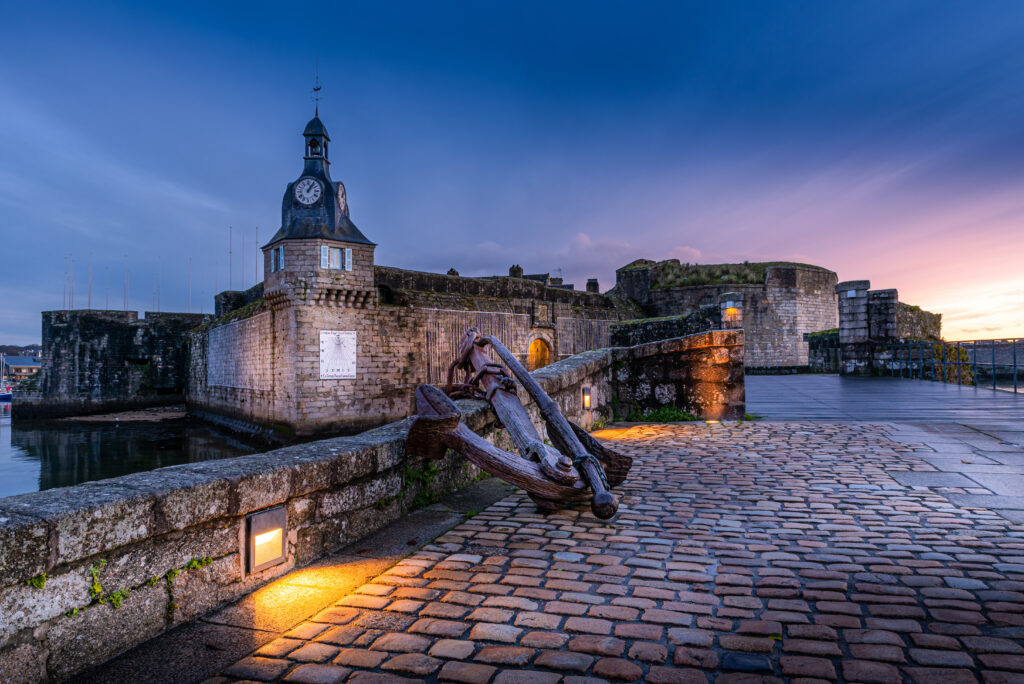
column 98, row 361
column 167, row 546
column 792, row 300
column 230, row 300
column 407, row 329
column 824, row 351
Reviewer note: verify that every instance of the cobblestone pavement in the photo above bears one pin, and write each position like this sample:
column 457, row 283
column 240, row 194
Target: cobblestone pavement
column 741, row 553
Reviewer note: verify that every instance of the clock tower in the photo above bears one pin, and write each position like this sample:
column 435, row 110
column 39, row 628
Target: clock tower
column 319, row 284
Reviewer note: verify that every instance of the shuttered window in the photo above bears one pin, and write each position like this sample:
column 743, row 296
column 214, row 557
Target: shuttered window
column 336, row 258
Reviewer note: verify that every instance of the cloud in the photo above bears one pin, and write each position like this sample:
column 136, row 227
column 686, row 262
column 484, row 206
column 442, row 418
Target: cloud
column 685, row 254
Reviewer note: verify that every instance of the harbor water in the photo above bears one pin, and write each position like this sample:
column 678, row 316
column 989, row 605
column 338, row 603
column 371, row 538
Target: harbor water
column 43, row 455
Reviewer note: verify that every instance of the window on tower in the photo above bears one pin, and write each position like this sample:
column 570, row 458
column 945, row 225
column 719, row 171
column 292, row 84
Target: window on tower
column 336, row 258
column 277, row 259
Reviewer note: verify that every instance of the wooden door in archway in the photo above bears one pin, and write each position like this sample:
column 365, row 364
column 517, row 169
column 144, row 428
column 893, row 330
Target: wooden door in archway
column 539, row 355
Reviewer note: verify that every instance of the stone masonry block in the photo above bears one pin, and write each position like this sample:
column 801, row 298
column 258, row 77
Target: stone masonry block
column 257, row 481
column 95, row 635
column 154, row 557
column 99, row 517
column 183, row 498
column 23, row 664
column 23, row 606
column 24, row 550
column 360, row 495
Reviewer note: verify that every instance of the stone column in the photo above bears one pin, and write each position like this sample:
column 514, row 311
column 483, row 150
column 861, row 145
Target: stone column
column 882, row 315
column 731, row 306
column 592, row 285
column 854, row 328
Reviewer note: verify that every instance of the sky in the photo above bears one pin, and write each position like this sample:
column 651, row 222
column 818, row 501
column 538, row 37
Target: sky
column 883, row 140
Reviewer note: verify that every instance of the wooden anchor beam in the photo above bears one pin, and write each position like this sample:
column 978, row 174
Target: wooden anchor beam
column 551, row 476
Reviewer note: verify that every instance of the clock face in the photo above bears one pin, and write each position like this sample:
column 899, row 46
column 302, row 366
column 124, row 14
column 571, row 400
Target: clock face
column 308, row 190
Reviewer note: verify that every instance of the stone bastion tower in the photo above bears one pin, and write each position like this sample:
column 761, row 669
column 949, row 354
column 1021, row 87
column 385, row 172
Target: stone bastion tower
column 319, row 282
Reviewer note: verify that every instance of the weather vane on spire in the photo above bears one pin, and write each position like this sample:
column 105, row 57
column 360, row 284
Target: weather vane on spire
column 316, row 88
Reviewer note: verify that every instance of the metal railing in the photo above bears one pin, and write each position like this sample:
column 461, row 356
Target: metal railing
column 998, row 364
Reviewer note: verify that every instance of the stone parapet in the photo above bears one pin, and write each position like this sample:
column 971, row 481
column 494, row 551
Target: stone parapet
column 701, row 374
column 641, row 331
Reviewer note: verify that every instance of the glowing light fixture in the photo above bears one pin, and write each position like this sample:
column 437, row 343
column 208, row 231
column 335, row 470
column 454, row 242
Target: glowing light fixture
column 586, row 397
column 731, row 311
column 712, row 422
column 265, row 534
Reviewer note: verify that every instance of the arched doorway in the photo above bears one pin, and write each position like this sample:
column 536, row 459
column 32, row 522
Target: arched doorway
column 539, row 356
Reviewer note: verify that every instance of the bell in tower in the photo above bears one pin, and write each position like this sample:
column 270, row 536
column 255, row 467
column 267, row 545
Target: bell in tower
column 316, row 140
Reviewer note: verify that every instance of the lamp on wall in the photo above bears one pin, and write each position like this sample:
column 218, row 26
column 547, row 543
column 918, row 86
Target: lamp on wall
column 265, row 536
column 586, row 397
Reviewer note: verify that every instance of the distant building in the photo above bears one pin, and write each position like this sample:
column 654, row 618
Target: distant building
column 17, row 368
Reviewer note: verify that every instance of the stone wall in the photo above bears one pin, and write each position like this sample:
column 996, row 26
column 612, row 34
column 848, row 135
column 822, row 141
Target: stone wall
column 823, row 354
column 230, row 300
column 792, row 301
column 630, row 333
column 262, row 372
column 701, row 374
column 167, row 546
column 98, row 361
column 914, row 323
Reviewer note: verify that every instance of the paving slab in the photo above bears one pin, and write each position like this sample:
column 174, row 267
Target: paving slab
column 934, row 479
column 832, row 398
column 1003, row 484
column 189, row 653
column 983, row 500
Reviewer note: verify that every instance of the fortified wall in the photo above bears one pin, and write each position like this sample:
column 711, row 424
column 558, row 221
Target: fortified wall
column 98, row 361
column 780, row 302
column 406, row 326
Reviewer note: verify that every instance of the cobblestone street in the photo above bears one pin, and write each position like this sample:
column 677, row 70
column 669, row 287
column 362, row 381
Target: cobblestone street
column 741, row 552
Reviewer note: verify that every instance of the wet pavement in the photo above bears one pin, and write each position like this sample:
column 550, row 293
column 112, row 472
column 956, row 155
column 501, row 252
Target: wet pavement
column 761, row 551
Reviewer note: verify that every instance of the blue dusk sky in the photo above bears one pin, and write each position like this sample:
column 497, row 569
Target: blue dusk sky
column 883, row 140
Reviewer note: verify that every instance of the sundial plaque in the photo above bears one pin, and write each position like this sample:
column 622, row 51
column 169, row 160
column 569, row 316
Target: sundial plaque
column 337, row 354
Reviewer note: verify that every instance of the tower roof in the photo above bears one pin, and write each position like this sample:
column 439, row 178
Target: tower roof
column 316, row 127
column 303, row 227
column 326, row 216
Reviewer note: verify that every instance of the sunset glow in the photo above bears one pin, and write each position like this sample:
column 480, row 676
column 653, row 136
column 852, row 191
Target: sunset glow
column 881, row 141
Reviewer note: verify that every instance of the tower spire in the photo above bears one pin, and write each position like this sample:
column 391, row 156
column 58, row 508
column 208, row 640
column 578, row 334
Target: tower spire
column 316, row 88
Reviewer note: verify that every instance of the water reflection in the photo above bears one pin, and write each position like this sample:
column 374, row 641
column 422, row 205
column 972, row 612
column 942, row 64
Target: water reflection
column 43, row 455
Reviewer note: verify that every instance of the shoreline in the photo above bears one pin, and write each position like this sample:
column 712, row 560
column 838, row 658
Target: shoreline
column 148, row 415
